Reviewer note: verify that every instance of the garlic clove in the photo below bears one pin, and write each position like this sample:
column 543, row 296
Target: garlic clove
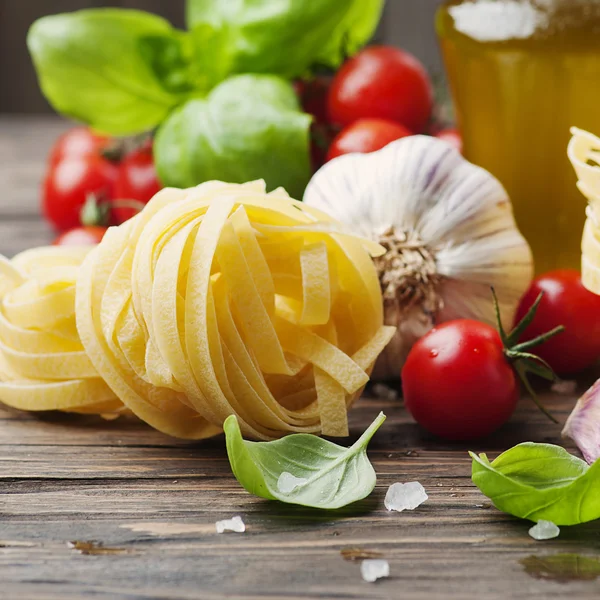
column 583, row 424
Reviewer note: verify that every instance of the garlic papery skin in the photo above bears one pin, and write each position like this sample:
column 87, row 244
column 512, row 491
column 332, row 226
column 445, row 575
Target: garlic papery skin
column 583, row 424
column 448, row 228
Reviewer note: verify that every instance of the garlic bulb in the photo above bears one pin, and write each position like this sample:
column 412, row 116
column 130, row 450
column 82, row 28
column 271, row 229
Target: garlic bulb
column 583, row 424
column 448, row 228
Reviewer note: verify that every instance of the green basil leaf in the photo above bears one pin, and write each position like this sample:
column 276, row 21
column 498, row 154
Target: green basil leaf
column 354, row 31
column 330, row 476
column 287, row 37
column 540, row 481
column 212, row 56
column 120, row 71
column 249, row 127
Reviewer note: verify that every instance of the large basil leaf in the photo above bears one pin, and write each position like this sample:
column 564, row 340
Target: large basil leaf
column 120, row 71
column 249, row 127
column 540, row 481
column 328, row 476
column 286, row 37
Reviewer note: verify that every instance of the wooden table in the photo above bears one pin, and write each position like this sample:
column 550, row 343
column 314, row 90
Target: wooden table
column 149, row 503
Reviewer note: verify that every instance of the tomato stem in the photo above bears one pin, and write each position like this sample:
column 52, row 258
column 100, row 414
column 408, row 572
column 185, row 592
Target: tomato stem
column 523, row 362
column 540, row 339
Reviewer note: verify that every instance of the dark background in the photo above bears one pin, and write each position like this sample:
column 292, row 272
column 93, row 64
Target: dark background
column 405, row 23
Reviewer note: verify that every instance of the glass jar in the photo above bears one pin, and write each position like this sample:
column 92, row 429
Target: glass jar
column 522, row 72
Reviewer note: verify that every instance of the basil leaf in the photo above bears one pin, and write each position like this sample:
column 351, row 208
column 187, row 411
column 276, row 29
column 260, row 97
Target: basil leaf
column 288, row 36
column 118, row 70
column 354, row 31
column 249, row 127
column 540, row 481
column 331, row 476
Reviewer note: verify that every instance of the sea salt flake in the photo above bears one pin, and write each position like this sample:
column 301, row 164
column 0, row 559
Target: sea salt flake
column 564, row 387
column 235, row 524
column 287, row 482
column 373, row 569
column 544, row 530
column 405, row 496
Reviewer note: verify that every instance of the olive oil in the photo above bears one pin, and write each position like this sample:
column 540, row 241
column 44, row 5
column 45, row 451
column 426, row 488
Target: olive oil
column 522, row 72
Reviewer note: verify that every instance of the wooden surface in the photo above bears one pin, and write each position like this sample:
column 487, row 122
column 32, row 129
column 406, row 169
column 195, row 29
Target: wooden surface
column 151, row 501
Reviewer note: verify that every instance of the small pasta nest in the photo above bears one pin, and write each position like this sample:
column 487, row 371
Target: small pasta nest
column 216, row 300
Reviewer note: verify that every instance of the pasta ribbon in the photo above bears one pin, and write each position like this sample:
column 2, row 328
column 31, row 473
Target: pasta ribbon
column 584, row 154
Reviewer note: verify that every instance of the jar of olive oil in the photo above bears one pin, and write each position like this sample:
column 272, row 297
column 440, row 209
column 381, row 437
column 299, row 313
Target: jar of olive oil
column 522, row 72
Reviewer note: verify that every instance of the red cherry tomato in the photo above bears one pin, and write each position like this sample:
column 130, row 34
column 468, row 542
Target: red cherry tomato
column 457, row 383
column 566, row 302
column 137, row 180
column 81, row 236
column 77, row 142
column 69, row 182
column 385, row 83
column 452, row 136
column 366, row 135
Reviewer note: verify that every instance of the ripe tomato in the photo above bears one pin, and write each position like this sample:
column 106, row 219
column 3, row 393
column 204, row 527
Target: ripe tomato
column 78, row 141
column 81, row 236
column 366, row 135
column 457, row 382
column 566, row 302
column 137, row 180
column 452, row 136
column 69, row 182
column 385, row 83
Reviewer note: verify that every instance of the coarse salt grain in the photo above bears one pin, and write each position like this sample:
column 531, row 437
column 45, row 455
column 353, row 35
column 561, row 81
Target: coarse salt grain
column 373, row 569
column 288, row 483
column 544, row 530
column 235, row 524
column 405, row 496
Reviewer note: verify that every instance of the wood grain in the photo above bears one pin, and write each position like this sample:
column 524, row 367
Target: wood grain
column 154, row 500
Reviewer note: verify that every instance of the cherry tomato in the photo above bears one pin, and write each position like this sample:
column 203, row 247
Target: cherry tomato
column 77, row 142
column 312, row 94
column 457, row 383
column 566, row 302
column 68, row 184
column 137, row 180
column 366, row 135
column 81, row 236
column 385, row 83
column 452, row 136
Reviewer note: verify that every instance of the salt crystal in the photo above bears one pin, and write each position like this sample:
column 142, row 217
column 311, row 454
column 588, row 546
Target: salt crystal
column 236, row 524
column 287, row 482
column 405, row 496
column 565, row 387
column 544, row 530
column 373, row 569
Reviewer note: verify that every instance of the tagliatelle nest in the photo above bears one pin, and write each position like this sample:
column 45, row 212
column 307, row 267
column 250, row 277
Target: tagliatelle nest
column 216, row 300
